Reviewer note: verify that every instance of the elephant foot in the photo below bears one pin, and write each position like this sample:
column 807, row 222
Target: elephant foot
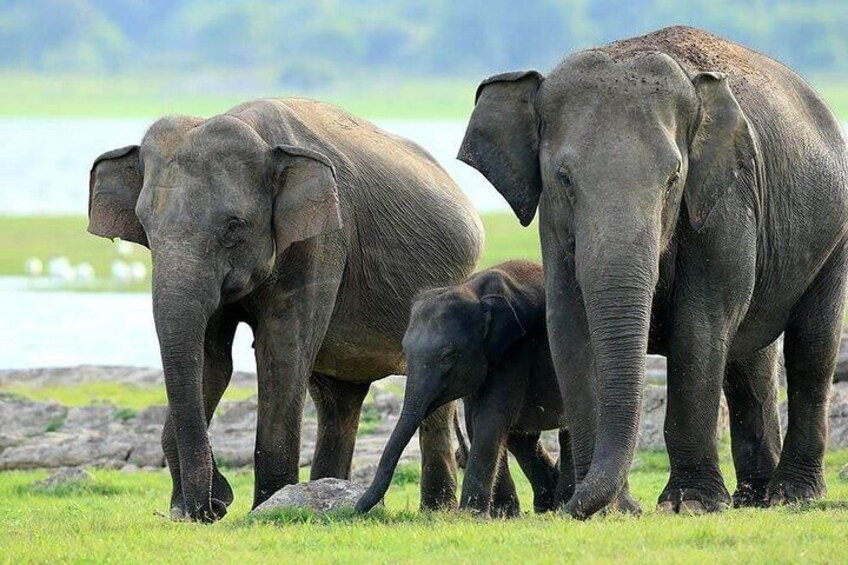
column 692, row 502
column 506, row 508
column 626, row 504
column 750, row 494
column 784, row 490
column 438, row 500
column 222, row 497
column 217, row 510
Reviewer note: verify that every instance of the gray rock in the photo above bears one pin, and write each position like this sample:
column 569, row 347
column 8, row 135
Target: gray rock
column 65, row 477
column 105, row 448
column 24, row 417
column 322, row 495
column 96, row 416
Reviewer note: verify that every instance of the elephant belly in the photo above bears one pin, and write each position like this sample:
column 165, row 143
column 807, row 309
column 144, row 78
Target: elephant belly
column 362, row 358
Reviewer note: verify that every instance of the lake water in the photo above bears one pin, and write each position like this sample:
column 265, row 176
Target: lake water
column 44, row 163
column 44, row 166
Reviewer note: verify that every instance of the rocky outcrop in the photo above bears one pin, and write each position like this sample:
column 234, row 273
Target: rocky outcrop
column 47, row 435
column 323, row 495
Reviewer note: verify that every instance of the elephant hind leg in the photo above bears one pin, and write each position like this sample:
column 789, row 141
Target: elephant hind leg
column 539, row 468
column 339, row 404
column 750, row 386
column 811, row 343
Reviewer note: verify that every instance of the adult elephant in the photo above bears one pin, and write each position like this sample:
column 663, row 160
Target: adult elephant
column 317, row 229
column 693, row 199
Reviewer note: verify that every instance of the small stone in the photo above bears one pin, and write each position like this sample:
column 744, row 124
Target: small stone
column 323, row 495
column 129, row 468
column 843, row 473
column 66, row 477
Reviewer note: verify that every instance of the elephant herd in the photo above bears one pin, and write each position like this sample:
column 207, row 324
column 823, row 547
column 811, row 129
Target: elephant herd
column 692, row 197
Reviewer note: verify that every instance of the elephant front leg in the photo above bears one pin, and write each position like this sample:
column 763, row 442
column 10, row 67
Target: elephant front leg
column 696, row 365
column 750, row 386
column 282, row 392
column 438, row 460
column 217, row 371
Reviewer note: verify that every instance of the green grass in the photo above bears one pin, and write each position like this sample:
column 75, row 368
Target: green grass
column 128, row 397
column 26, row 94
column 122, row 517
column 35, row 95
column 22, row 237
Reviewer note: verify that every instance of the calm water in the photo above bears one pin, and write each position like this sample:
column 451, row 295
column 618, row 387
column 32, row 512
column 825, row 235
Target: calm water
column 44, row 168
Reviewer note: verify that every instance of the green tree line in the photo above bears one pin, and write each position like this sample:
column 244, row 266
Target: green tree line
column 307, row 41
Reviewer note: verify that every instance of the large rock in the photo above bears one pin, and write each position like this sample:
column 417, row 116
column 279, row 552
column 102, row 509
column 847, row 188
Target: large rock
column 21, row 417
column 105, row 448
column 654, row 400
column 65, row 478
column 322, row 495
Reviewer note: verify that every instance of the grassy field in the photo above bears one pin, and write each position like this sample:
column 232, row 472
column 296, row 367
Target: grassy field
column 122, row 518
column 36, row 95
column 45, row 237
column 33, row 95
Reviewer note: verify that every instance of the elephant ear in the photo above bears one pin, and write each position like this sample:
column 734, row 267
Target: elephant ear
column 306, row 203
column 722, row 147
column 504, row 325
column 113, row 188
column 502, row 139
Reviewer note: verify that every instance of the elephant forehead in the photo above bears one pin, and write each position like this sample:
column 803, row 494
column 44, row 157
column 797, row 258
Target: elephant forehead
column 594, row 77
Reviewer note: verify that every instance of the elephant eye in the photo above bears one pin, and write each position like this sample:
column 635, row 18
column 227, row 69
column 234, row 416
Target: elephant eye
column 673, row 178
column 449, row 354
column 564, row 176
column 232, row 233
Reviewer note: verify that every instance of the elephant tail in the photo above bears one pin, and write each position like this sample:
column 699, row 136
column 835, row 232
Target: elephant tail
column 464, row 448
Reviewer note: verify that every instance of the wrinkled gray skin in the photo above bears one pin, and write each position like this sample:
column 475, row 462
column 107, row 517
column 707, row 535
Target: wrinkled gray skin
column 310, row 225
column 693, row 198
column 485, row 341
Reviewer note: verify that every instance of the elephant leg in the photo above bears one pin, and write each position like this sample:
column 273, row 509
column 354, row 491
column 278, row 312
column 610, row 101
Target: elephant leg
column 566, row 482
column 338, row 404
column 505, row 503
column 217, row 371
column 292, row 318
column 438, row 460
column 490, row 429
column 750, row 386
column 696, row 366
column 539, row 468
column 811, row 343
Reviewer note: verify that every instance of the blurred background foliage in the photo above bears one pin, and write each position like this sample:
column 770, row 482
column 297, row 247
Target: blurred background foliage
column 309, row 43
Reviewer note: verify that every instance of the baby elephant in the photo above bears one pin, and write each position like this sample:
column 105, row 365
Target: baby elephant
column 485, row 340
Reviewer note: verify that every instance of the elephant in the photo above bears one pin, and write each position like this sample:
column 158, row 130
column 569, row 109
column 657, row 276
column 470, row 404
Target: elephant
column 316, row 229
column 693, row 203
column 485, row 341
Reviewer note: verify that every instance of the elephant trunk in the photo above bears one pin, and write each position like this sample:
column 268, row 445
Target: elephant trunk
column 181, row 312
column 417, row 405
column 618, row 285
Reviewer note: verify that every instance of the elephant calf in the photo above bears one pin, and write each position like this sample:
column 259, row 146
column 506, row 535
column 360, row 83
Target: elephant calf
column 485, row 340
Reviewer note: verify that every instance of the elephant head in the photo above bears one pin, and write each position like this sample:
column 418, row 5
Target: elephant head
column 217, row 207
column 453, row 339
column 614, row 152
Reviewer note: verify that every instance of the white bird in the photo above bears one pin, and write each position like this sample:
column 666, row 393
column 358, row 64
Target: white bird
column 85, row 272
column 139, row 271
column 60, row 268
column 121, row 272
column 34, row 267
